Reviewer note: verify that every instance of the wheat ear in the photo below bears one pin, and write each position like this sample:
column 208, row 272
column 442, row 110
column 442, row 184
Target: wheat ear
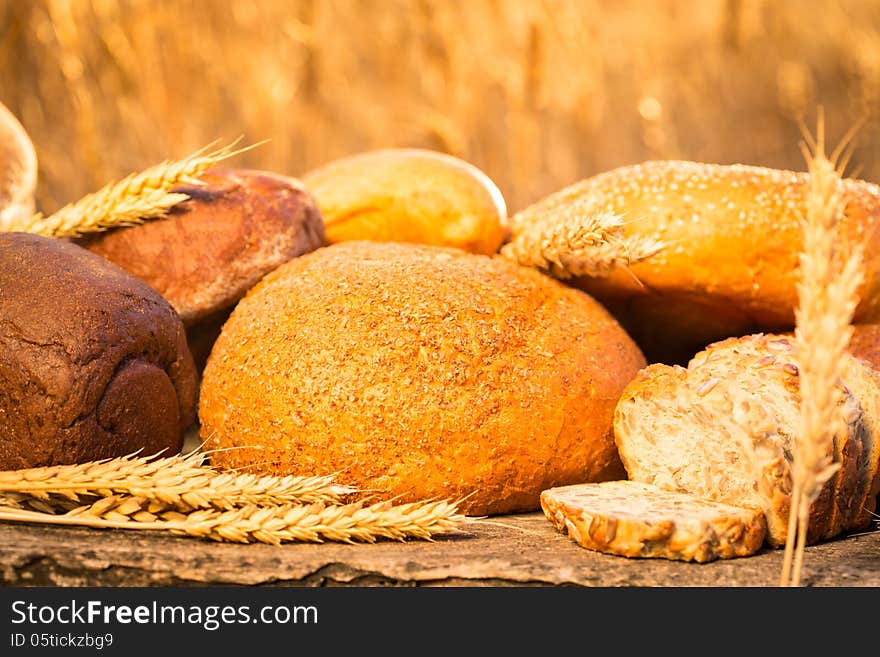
column 181, row 482
column 130, row 201
column 313, row 523
column 575, row 240
column 827, row 298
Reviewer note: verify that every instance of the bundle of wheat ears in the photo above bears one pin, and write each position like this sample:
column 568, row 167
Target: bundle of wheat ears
column 183, row 495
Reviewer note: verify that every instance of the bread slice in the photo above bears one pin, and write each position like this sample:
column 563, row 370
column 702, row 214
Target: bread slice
column 724, row 429
column 633, row 519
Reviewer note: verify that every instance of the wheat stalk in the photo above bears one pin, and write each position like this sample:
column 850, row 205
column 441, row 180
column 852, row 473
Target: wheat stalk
column 277, row 524
column 827, row 298
column 181, row 482
column 573, row 239
column 127, row 202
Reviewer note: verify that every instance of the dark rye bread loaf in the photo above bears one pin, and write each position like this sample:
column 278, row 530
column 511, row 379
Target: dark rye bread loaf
column 93, row 361
column 633, row 519
column 418, row 372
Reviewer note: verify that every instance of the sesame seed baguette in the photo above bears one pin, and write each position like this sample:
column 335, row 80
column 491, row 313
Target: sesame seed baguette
column 633, row 519
column 724, row 428
column 732, row 236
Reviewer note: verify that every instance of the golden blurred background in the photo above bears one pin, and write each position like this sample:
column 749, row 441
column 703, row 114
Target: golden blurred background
column 538, row 93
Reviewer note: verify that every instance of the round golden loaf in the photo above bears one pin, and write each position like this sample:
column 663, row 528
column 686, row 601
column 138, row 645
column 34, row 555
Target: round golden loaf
column 732, row 237
column 418, row 372
column 409, row 195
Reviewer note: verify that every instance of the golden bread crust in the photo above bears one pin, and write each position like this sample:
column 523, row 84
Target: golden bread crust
column 731, row 261
column 419, row 372
column 410, row 195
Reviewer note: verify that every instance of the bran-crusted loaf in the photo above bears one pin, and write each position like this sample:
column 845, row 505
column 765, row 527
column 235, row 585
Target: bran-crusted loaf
column 93, row 361
column 633, row 519
column 733, row 413
column 419, row 372
column 732, row 235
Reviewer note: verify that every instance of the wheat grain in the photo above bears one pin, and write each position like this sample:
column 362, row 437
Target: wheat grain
column 181, row 482
column 827, row 297
column 313, row 523
column 130, row 201
column 572, row 239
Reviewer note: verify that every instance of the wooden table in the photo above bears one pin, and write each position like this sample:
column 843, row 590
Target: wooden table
column 514, row 550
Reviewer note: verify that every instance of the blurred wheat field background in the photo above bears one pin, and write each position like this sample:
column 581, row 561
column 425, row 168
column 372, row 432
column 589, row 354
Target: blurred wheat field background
column 538, row 93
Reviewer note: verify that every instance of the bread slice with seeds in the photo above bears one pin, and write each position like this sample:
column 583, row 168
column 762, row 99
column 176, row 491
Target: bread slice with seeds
column 634, row 519
column 724, row 429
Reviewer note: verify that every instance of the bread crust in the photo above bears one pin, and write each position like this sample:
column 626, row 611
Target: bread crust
column 419, row 372
column 731, row 263
column 238, row 225
column 410, row 195
column 93, row 361
column 633, row 519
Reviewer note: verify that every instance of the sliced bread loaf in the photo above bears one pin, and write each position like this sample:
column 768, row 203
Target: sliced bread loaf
column 725, row 428
column 865, row 384
column 633, row 519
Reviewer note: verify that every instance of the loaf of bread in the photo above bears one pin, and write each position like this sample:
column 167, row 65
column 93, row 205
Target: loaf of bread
column 724, row 429
column 633, row 519
column 732, row 238
column 93, row 361
column 410, row 195
column 418, row 372
column 18, row 171
column 238, row 225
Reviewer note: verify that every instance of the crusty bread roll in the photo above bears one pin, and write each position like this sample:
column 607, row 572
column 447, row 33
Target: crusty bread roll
column 238, row 225
column 418, row 372
column 93, row 362
column 734, row 412
column 18, row 171
column 632, row 519
column 410, row 195
column 730, row 264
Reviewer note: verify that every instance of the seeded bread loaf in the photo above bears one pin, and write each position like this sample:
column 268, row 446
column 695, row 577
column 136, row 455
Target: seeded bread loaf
column 418, row 372
column 724, row 429
column 633, row 519
column 93, row 361
column 732, row 236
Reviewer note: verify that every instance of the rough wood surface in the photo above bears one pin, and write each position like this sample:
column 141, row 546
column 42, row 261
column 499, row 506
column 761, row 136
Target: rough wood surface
column 515, row 550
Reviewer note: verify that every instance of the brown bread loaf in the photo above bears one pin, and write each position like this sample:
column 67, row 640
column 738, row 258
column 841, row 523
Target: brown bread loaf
column 208, row 251
column 730, row 264
column 632, row 519
column 418, row 372
column 710, row 429
column 93, row 362
column 410, row 195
